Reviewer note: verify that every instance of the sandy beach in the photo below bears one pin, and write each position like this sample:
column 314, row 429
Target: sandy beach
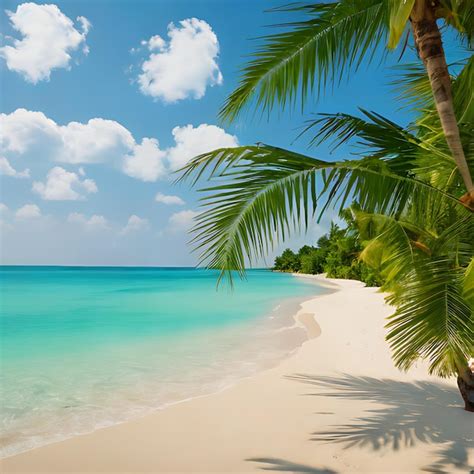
column 336, row 406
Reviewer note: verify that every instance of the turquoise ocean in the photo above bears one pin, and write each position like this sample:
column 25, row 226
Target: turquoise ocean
column 88, row 347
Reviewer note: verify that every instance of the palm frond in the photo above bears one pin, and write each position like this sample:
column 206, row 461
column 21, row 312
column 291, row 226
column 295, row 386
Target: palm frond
column 399, row 14
column 412, row 85
column 378, row 136
column 258, row 195
column 335, row 38
column 460, row 15
column 463, row 93
column 433, row 320
column 399, row 147
column 430, row 280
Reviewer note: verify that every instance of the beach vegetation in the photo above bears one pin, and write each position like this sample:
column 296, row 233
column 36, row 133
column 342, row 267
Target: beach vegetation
column 336, row 253
column 410, row 187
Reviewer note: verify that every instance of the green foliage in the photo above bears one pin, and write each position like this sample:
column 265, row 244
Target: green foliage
column 410, row 228
column 333, row 38
column 399, row 14
column 288, row 261
column 325, row 46
column 336, row 254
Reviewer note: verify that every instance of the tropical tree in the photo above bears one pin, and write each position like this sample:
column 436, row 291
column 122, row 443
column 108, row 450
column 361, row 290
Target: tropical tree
column 414, row 201
column 334, row 39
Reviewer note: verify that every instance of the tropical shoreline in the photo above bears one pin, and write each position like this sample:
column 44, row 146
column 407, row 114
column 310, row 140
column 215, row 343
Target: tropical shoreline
column 336, row 405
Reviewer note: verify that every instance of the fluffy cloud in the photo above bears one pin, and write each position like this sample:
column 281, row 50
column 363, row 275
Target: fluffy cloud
column 192, row 141
column 182, row 220
column 184, row 66
column 93, row 142
column 28, row 211
column 35, row 136
column 149, row 163
column 48, row 39
column 98, row 140
column 146, row 161
column 94, row 222
column 3, row 208
column 135, row 224
column 62, row 185
column 167, row 199
column 7, row 169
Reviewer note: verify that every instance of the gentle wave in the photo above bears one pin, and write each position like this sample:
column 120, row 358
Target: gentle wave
column 100, row 379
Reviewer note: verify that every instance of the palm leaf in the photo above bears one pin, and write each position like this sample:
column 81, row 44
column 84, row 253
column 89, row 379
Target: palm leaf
column 335, row 37
column 258, row 195
column 403, row 151
column 399, row 13
column 430, row 280
column 433, row 320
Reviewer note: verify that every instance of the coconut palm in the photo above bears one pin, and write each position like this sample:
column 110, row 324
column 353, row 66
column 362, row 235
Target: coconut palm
column 407, row 191
column 335, row 37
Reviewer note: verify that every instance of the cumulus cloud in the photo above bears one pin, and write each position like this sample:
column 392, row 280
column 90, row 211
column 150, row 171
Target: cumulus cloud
column 62, row 185
column 135, row 224
column 28, row 211
column 149, row 163
column 146, row 161
column 192, row 141
column 35, row 136
column 168, row 199
column 182, row 220
column 93, row 142
column 95, row 222
column 98, row 140
column 48, row 39
column 6, row 169
column 184, row 66
column 3, row 208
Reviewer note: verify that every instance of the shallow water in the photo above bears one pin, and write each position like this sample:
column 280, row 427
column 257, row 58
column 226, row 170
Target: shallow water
column 82, row 348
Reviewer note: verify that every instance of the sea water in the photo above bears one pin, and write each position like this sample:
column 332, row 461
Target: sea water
column 87, row 347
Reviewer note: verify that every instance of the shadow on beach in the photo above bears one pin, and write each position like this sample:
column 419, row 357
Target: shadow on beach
column 275, row 464
column 414, row 412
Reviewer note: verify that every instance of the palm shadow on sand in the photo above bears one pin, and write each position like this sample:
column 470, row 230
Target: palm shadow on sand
column 413, row 412
column 275, row 464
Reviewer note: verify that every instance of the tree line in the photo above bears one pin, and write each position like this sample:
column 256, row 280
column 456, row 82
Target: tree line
column 337, row 254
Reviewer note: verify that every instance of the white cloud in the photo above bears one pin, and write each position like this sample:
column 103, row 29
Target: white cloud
column 184, row 66
column 182, row 220
column 23, row 130
column 95, row 222
column 93, row 142
column 48, row 39
column 28, row 211
column 146, row 161
column 168, row 199
column 3, row 208
column 155, row 43
column 7, row 169
column 98, row 140
column 135, row 224
column 62, row 185
column 37, row 137
column 192, row 141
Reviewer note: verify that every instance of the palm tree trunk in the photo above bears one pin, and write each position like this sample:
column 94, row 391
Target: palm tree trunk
column 430, row 48
column 466, row 387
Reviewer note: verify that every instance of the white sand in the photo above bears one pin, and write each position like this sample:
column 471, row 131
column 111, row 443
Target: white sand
column 337, row 406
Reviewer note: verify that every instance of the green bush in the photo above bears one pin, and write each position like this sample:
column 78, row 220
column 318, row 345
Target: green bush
column 336, row 254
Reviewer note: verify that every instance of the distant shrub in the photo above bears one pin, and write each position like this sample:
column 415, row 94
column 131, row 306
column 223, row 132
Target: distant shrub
column 336, row 254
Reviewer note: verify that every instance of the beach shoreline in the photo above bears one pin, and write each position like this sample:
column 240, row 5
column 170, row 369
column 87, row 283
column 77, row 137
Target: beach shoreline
column 336, row 405
column 198, row 362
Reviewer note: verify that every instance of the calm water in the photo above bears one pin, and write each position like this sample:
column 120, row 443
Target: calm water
column 83, row 348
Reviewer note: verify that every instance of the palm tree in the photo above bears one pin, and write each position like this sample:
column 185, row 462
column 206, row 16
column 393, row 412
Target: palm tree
column 407, row 191
column 334, row 39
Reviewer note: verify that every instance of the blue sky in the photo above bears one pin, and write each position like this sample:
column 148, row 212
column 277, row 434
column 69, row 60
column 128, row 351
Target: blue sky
column 100, row 208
